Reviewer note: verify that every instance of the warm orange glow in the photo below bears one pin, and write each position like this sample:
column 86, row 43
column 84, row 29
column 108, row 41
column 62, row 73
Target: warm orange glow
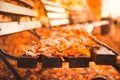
column 59, row 22
column 96, row 24
column 56, row 15
column 95, row 7
column 12, row 27
column 110, row 8
column 54, row 9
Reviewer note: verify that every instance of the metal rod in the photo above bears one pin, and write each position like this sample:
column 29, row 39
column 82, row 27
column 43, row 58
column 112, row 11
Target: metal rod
column 8, row 56
column 35, row 34
column 101, row 43
column 2, row 57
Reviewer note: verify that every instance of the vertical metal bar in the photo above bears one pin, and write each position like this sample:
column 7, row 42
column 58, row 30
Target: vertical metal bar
column 35, row 33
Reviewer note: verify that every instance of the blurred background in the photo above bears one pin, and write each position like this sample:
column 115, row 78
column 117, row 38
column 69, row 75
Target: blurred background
column 93, row 10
